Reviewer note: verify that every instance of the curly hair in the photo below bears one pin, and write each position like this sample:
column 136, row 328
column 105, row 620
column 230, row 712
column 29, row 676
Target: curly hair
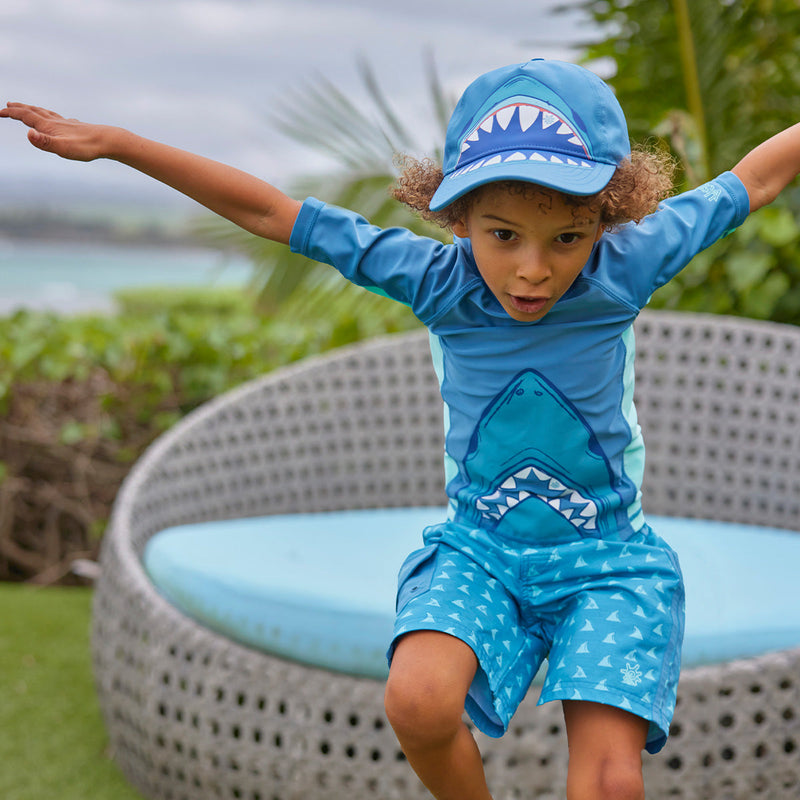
column 639, row 184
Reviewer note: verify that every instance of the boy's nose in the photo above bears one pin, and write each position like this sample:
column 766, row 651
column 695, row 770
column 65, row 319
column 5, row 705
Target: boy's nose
column 533, row 269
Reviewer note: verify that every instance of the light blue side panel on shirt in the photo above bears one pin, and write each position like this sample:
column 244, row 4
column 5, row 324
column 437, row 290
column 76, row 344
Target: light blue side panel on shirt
column 633, row 458
column 450, row 466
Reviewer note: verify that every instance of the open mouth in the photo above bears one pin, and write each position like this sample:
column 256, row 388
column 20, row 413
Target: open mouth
column 533, row 483
column 528, row 305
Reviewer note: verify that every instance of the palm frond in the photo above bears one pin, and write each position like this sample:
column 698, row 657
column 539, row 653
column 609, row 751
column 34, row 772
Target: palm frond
column 396, row 135
column 323, row 118
column 364, row 143
column 442, row 103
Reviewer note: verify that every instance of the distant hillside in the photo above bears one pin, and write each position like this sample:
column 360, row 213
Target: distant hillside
column 47, row 225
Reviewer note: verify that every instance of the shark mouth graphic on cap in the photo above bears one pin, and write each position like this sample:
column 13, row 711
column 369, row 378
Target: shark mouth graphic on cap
column 532, row 482
column 522, row 132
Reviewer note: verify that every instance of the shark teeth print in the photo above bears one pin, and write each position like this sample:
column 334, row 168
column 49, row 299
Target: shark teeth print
column 522, row 132
column 532, row 482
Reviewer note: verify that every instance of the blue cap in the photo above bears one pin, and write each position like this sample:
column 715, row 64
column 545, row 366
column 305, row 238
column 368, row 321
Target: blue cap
column 546, row 122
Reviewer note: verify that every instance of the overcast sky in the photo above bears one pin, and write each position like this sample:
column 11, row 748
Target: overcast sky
column 202, row 74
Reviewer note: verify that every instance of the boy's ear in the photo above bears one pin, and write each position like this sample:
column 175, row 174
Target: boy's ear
column 460, row 229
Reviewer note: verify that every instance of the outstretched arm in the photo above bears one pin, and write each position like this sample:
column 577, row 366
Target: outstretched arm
column 769, row 168
column 247, row 201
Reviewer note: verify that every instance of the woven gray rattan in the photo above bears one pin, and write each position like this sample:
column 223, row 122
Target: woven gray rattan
column 192, row 715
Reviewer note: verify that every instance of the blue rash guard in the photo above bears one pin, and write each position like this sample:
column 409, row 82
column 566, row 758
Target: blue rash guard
column 542, row 440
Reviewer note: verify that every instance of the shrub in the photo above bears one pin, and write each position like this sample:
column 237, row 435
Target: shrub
column 81, row 397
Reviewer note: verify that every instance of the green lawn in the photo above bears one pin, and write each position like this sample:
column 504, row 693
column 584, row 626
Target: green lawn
column 52, row 740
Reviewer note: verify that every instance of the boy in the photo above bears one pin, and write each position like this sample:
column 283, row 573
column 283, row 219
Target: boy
column 546, row 551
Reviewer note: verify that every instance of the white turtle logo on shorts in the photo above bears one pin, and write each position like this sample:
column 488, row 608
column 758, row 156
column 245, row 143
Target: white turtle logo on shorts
column 631, row 674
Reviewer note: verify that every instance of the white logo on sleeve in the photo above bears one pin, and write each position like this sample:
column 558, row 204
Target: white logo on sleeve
column 711, row 192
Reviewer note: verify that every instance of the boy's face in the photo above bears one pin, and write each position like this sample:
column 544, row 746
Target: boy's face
column 529, row 245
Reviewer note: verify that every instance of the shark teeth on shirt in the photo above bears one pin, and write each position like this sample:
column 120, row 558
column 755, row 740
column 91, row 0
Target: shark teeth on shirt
column 532, row 482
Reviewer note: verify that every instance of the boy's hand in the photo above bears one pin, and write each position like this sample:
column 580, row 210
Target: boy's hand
column 67, row 138
column 247, row 201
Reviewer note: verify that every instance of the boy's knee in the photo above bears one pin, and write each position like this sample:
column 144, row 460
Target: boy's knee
column 621, row 781
column 605, row 752
column 428, row 683
column 422, row 709
column 611, row 779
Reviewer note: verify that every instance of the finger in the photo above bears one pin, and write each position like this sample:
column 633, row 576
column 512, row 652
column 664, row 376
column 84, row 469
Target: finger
column 18, row 111
column 28, row 106
column 39, row 139
column 28, row 114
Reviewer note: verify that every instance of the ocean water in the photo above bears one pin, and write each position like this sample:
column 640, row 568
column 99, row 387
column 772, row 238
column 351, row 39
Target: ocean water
column 77, row 277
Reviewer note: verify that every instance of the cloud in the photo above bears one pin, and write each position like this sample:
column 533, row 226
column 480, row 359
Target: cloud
column 204, row 74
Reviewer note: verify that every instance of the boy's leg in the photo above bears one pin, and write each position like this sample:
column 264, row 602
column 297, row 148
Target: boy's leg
column 605, row 752
column 430, row 675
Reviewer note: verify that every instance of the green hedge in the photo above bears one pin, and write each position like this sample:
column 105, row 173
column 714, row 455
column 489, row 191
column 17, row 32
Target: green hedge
column 82, row 396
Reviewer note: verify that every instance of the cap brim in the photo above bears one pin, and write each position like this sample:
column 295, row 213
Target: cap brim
column 576, row 180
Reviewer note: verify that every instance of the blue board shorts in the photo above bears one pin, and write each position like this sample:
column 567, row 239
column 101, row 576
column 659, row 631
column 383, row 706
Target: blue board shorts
column 607, row 614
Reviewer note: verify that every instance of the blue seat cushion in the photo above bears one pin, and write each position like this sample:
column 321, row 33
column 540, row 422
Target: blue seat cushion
column 320, row 588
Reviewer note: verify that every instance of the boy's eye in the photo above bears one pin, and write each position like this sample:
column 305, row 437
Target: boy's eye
column 504, row 235
column 568, row 238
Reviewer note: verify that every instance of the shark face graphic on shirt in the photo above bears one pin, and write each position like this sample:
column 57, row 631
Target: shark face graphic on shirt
column 534, row 465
